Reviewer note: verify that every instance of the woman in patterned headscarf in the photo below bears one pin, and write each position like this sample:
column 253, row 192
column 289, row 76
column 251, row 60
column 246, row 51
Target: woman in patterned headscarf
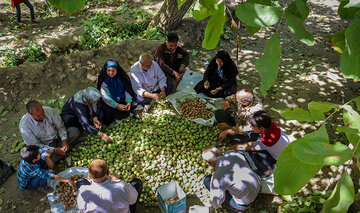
column 82, row 110
column 118, row 98
column 219, row 78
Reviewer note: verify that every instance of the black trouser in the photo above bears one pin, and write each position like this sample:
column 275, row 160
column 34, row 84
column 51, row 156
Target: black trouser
column 199, row 88
column 111, row 114
column 136, row 183
column 18, row 10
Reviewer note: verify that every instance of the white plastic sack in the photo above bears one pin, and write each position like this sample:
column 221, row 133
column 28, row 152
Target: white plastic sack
column 58, row 207
column 189, row 81
column 182, row 95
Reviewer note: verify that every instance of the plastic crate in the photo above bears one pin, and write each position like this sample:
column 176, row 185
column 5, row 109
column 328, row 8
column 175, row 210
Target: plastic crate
column 168, row 191
column 6, row 170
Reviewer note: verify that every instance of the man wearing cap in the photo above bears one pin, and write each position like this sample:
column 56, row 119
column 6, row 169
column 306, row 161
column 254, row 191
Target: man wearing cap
column 105, row 192
column 233, row 119
column 167, row 56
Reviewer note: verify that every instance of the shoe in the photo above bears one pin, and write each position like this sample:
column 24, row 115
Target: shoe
column 134, row 115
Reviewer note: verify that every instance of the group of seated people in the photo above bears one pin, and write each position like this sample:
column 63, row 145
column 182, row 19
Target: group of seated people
column 256, row 140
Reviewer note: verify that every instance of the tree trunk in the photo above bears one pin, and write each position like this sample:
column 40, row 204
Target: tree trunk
column 169, row 17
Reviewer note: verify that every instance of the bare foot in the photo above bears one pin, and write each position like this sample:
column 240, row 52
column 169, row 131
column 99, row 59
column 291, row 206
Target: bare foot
column 46, row 190
column 21, row 23
column 36, row 21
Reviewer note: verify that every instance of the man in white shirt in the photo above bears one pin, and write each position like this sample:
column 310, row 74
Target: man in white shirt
column 105, row 192
column 43, row 127
column 147, row 80
column 234, row 182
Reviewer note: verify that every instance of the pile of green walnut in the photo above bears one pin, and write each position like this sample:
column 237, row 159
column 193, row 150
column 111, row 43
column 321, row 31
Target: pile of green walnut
column 156, row 149
column 66, row 193
column 194, row 108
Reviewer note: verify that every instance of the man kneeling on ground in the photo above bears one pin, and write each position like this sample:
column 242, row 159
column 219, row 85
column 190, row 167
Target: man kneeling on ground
column 233, row 183
column 105, row 192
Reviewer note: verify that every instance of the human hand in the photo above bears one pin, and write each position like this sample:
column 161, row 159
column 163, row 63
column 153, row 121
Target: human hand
column 72, row 184
column 59, row 151
column 224, row 126
column 104, row 137
column 121, row 107
column 177, row 75
column 222, row 135
column 128, row 106
column 49, row 162
column 182, row 69
column 113, row 177
column 97, row 123
column 156, row 96
column 162, row 94
column 225, row 104
column 216, row 90
column 206, row 84
column 65, row 145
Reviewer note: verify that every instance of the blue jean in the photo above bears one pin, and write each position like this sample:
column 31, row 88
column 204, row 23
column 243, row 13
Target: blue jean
column 228, row 197
column 38, row 181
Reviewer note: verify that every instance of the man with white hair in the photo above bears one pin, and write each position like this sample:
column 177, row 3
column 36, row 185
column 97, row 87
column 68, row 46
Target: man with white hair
column 234, row 182
column 233, row 119
column 147, row 80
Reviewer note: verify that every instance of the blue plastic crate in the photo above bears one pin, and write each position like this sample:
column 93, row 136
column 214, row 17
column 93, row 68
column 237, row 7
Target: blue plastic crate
column 168, row 191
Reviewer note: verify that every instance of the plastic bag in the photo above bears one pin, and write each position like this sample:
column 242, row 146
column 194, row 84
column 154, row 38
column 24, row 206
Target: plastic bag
column 182, row 95
column 189, row 81
column 58, row 207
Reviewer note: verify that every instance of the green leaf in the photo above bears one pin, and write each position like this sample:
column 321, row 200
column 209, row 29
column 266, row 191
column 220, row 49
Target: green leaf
column 338, row 41
column 4, row 138
column 353, row 136
column 3, row 119
column 350, row 59
column 268, row 64
column 200, row 12
column 347, row 12
column 68, row 6
column 214, row 28
column 5, row 113
column 1, row 145
column 295, row 15
column 2, row 190
column 315, row 113
column 1, row 201
column 1, row 108
column 292, row 174
column 211, row 5
column 315, row 152
column 342, row 197
column 351, row 117
column 180, row 3
column 263, row 2
column 257, row 15
column 352, row 5
column 357, row 102
column 252, row 30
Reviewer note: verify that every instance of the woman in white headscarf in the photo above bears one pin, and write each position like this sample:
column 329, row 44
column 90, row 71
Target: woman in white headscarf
column 82, row 110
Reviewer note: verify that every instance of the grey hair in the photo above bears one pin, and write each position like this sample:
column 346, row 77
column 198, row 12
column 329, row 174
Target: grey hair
column 242, row 92
column 211, row 153
column 31, row 105
column 144, row 56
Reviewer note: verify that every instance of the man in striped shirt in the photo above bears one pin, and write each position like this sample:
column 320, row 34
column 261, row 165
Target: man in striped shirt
column 33, row 171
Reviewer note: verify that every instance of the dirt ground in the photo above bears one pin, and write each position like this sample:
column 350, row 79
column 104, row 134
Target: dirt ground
column 306, row 74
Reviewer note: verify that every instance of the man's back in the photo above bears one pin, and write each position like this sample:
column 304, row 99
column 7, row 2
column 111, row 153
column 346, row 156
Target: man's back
column 106, row 197
column 232, row 173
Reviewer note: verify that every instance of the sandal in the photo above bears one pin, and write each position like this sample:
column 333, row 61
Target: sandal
column 36, row 21
column 21, row 23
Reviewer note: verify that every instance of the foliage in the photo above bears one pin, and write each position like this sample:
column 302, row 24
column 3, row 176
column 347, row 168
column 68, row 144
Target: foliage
column 311, row 202
column 303, row 158
column 102, row 29
column 32, row 53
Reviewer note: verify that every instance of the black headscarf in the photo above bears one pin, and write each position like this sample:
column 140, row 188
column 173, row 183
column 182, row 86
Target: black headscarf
column 121, row 73
column 229, row 68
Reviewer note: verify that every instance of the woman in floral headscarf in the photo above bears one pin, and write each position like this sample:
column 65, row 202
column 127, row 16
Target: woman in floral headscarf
column 118, row 98
column 82, row 110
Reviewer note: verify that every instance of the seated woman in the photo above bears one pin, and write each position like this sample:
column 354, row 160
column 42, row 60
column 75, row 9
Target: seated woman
column 82, row 110
column 219, row 78
column 117, row 93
